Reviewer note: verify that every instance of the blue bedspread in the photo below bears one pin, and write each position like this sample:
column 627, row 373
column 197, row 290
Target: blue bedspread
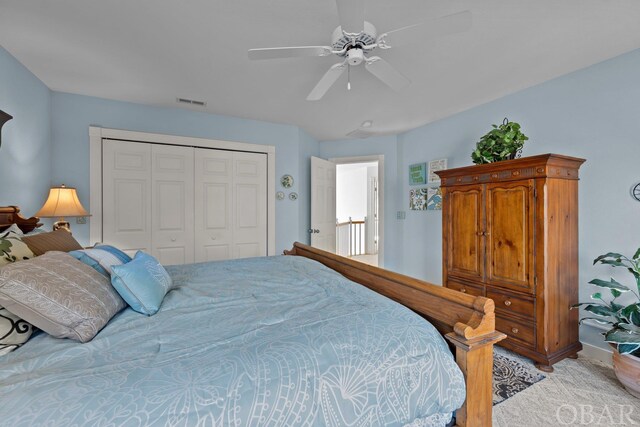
column 278, row 341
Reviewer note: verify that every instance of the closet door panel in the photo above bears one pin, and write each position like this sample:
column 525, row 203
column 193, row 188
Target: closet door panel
column 172, row 204
column 126, row 195
column 250, row 205
column 213, row 205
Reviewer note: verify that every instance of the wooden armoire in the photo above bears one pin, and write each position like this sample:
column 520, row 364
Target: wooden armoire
column 510, row 233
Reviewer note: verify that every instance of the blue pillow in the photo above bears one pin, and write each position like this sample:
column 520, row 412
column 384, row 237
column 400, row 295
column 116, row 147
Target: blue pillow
column 142, row 283
column 101, row 258
column 115, row 252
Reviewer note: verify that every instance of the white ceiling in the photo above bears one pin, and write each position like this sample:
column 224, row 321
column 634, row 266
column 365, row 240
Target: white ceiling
column 152, row 51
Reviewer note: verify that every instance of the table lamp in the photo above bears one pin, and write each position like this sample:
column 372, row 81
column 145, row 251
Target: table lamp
column 62, row 202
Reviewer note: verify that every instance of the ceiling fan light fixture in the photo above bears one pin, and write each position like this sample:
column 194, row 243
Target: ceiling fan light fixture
column 355, row 56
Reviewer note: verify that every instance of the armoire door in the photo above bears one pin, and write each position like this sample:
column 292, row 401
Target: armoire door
column 230, row 205
column 464, row 239
column 509, row 234
column 126, row 195
column 172, row 230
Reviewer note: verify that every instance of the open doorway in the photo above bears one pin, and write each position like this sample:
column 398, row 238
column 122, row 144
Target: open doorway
column 358, row 219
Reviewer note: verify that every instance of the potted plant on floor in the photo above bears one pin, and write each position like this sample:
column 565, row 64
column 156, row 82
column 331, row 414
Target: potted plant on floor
column 624, row 335
column 503, row 142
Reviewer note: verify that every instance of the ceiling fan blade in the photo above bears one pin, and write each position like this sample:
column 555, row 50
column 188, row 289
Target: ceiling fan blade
column 385, row 72
column 289, row 52
column 351, row 14
column 443, row 26
column 327, row 81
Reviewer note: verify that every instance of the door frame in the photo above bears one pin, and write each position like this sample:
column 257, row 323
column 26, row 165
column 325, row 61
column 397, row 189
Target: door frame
column 97, row 134
column 381, row 206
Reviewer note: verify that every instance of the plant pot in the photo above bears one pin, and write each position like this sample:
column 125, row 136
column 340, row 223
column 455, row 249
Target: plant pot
column 627, row 369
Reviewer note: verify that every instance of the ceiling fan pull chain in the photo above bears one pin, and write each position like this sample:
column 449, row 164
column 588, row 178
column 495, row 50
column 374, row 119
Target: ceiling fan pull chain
column 348, row 77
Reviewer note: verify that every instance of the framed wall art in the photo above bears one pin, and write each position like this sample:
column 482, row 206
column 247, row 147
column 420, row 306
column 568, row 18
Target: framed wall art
column 418, row 174
column 434, row 166
column 434, row 199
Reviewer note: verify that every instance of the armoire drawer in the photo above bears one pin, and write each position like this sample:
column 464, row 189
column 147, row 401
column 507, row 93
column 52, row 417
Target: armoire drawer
column 510, row 304
column 466, row 288
column 521, row 332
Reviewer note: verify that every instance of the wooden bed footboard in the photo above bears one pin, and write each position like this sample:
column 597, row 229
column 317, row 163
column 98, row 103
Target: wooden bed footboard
column 468, row 322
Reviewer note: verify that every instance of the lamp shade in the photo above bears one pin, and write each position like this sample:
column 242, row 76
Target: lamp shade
column 62, row 201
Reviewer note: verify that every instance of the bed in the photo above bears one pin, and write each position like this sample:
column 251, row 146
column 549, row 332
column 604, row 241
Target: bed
column 289, row 340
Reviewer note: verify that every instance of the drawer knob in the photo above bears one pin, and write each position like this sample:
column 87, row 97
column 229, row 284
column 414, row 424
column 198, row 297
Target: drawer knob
column 514, row 330
column 507, row 303
column 463, row 290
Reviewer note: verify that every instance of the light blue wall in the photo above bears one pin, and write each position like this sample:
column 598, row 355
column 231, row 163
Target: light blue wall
column 73, row 114
column 386, row 146
column 593, row 113
column 25, row 154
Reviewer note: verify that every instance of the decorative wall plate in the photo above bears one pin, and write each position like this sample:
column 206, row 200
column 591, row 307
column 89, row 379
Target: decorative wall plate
column 293, row 196
column 280, row 195
column 635, row 191
column 286, row 181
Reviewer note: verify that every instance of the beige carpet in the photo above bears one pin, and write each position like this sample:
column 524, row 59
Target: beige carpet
column 582, row 392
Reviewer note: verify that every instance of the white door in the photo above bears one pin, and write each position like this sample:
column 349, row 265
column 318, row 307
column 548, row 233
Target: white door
column 323, row 204
column 249, row 205
column 126, row 195
column 230, row 205
column 172, row 235
column 213, row 205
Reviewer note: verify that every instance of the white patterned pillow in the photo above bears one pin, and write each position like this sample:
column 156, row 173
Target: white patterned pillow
column 13, row 331
column 13, row 249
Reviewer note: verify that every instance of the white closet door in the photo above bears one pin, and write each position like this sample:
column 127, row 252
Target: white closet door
column 230, row 205
column 126, row 195
column 250, row 205
column 213, row 205
column 172, row 235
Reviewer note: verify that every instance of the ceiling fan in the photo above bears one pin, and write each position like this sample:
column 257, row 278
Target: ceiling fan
column 355, row 39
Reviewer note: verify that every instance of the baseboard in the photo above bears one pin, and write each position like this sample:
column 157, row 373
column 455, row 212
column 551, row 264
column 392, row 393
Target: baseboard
column 593, row 352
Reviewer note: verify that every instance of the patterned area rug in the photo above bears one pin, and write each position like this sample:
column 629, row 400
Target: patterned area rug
column 510, row 376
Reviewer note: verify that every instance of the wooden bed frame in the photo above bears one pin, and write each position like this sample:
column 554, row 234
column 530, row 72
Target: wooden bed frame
column 10, row 215
column 467, row 322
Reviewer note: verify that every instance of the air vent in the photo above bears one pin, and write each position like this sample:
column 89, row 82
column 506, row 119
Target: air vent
column 191, row 102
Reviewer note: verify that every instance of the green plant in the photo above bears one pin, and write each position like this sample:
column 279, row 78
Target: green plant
column 500, row 143
column 625, row 319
